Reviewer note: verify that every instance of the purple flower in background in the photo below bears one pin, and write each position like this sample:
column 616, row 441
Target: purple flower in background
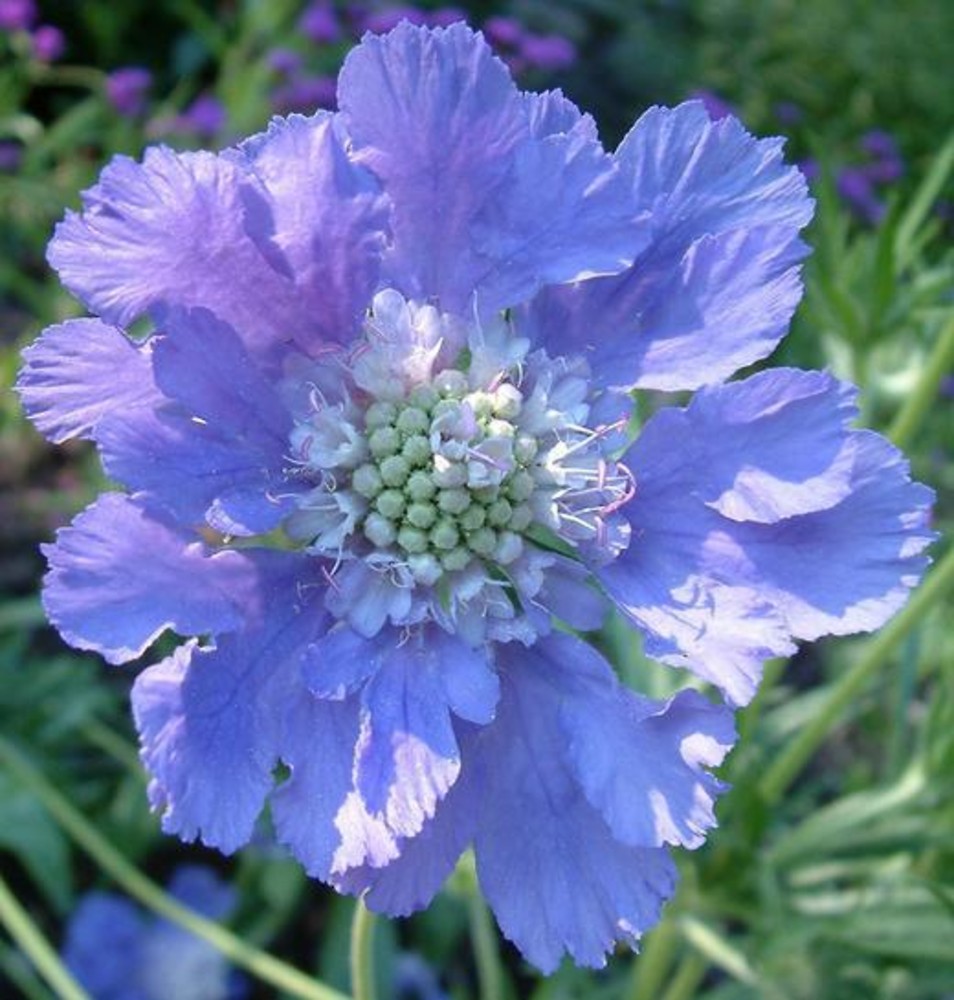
column 402, row 339
column 17, row 15
column 126, row 89
column 285, row 61
column 716, row 107
column 319, row 23
column 547, row 52
column 856, row 188
column 117, row 951
column 11, row 154
column 49, row 43
column 204, row 117
column 304, row 93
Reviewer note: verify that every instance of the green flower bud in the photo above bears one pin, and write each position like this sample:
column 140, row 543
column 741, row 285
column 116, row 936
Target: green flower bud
column 455, row 559
column 384, row 441
column 509, row 548
column 412, row 539
column 444, row 535
column 379, row 414
column 422, row 515
column 390, row 504
column 417, row 449
column 498, row 513
column 420, row 486
column 473, row 518
column 483, row 541
column 521, row 518
column 424, row 397
column 453, row 501
column 394, row 470
column 379, row 530
column 412, row 420
column 525, row 448
column 366, row 480
column 520, row 486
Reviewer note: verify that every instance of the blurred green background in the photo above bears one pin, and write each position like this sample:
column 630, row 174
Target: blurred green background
column 832, row 873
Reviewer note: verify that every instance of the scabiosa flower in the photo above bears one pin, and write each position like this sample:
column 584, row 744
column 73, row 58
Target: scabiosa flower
column 48, row 42
column 126, row 89
column 378, row 474
column 118, row 952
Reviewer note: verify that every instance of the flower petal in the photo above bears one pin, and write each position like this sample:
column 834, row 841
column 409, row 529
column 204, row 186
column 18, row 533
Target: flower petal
column 718, row 283
column 77, row 372
column 214, row 447
column 830, row 543
column 422, row 863
column 310, row 808
column 407, row 755
column 173, row 230
column 556, row 878
column 495, row 193
column 119, row 577
column 326, row 219
column 436, row 117
column 211, row 719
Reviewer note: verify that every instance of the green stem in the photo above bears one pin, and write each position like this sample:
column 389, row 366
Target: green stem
column 652, row 966
column 267, row 968
column 40, row 952
column 919, row 403
column 844, row 693
column 688, row 976
column 362, row 952
column 484, row 937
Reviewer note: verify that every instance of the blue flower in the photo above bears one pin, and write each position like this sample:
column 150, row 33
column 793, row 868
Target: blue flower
column 377, row 469
column 118, row 952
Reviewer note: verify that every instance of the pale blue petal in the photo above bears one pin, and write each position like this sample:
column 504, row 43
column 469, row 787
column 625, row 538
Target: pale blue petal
column 831, row 539
column 717, row 285
column 556, row 878
column 323, row 218
column 172, row 230
column 77, row 372
column 119, row 577
column 211, row 720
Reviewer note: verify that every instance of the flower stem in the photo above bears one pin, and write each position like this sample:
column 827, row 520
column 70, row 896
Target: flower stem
column 486, row 954
column 797, row 754
column 40, row 952
column 924, row 396
column 267, row 968
column 652, row 966
column 362, row 952
column 688, row 976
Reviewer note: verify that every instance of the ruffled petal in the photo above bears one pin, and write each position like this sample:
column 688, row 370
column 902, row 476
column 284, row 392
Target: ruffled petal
column 214, row 447
column 119, row 577
column 551, row 869
column 210, row 719
column 422, row 863
column 770, row 520
column 495, row 194
column 407, row 756
column 310, row 808
column 173, row 231
column 718, row 283
column 79, row 371
column 326, row 220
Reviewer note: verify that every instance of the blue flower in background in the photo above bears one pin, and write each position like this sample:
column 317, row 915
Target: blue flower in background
column 117, row 951
column 378, row 470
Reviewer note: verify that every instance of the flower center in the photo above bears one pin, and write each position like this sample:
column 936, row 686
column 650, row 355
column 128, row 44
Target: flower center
column 450, row 467
column 449, row 476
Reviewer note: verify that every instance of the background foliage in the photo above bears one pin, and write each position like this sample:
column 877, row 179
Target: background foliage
column 832, row 873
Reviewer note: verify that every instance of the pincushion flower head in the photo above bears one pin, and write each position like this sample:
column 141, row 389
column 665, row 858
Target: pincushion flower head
column 378, row 477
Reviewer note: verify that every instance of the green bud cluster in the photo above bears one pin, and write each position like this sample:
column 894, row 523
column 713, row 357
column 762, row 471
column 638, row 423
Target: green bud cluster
column 419, row 501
